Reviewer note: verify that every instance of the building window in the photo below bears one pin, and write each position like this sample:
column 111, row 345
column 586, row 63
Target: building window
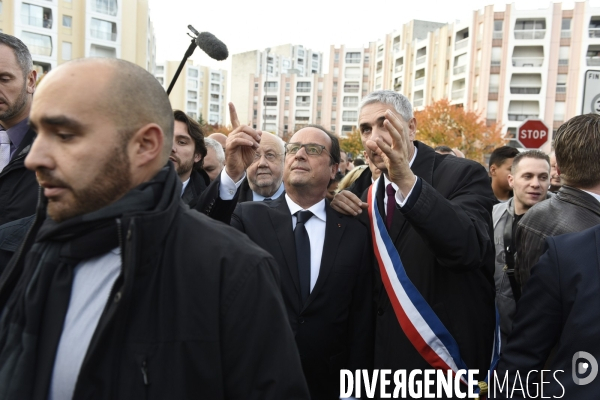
column 192, row 72
column 36, row 16
column 214, row 107
column 192, row 95
column 352, row 58
column 302, row 115
column 352, row 73
column 160, row 69
column 350, row 116
column 103, row 51
column 303, row 101
column 215, row 77
column 303, row 87
column 350, row 101
column 214, row 97
column 160, row 80
column 108, row 7
column 67, row 21
column 67, row 49
column 215, row 87
column 271, row 86
column 37, row 44
column 351, row 87
column 192, row 84
column 104, row 30
column 191, row 105
column 336, row 56
column 270, row 101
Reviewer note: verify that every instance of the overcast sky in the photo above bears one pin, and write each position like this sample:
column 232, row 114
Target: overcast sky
column 245, row 25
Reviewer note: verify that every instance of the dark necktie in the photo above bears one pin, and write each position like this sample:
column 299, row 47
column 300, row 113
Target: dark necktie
column 303, row 252
column 391, row 205
column 267, row 199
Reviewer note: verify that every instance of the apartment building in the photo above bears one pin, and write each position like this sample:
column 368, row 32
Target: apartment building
column 199, row 90
column 509, row 65
column 57, row 31
column 272, row 70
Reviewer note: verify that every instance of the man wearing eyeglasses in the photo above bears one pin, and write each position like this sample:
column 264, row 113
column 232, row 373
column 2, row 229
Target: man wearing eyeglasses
column 253, row 171
column 324, row 259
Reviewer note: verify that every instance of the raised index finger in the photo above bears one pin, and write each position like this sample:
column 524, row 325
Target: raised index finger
column 233, row 117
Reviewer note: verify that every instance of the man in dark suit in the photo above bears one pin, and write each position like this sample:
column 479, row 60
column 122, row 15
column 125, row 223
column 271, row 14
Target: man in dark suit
column 18, row 186
column 439, row 220
column 187, row 153
column 558, row 310
column 259, row 180
column 326, row 285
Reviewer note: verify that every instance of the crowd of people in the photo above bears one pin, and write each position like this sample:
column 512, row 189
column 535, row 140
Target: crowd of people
column 140, row 259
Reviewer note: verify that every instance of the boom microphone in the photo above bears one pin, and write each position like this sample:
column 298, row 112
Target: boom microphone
column 212, row 46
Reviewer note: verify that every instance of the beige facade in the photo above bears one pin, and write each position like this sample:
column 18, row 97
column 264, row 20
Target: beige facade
column 509, row 65
column 199, row 91
column 57, row 31
column 274, row 67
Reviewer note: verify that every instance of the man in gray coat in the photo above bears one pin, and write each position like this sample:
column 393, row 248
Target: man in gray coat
column 529, row 179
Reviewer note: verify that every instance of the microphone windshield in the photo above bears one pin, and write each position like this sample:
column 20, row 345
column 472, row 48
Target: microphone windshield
column 212, row 46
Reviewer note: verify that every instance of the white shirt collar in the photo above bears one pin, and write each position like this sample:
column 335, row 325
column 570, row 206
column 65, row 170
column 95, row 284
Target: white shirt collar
column 596, row 196
column 184, row 185
column 318, row 209
column 410, row 163
column 258, row 197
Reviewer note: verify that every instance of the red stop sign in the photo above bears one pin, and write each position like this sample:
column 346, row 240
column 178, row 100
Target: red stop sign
column 532, row 134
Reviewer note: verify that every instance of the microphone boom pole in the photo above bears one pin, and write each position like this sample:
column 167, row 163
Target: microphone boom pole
column 187, row 55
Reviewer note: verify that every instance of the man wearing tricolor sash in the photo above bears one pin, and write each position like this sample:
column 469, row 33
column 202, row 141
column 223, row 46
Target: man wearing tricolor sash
column 430, row 219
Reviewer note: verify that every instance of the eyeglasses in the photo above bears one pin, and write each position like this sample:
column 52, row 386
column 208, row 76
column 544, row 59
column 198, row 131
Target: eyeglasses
column 270, row 157
column 312, row 149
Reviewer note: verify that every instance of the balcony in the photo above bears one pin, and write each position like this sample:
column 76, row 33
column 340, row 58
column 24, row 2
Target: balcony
column 111, row 36
column 420, row 81
column 593, row 61
column 493, row 89
column 564, row 61
column 45, row 22
column 497, row 35
column 303, row 103
column 417, row 102
column 495, row 63
column 527, row 62
column 522, row 117
column 565, row 34
column 399, row 68
column 561, row 89
column 461, row 44
column 396, row 47
column 525, row 90
column 530, row 33
column 594, row 32
column 458, row 94
column 460, row 69
column 420, row 60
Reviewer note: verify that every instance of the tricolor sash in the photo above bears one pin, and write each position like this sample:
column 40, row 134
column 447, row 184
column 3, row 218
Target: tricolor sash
column 419, row 322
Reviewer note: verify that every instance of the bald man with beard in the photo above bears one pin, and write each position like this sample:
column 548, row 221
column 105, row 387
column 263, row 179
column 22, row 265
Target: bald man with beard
column 119, row 290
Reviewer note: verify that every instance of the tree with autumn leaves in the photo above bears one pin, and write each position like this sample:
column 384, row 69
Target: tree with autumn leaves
column 442, row 123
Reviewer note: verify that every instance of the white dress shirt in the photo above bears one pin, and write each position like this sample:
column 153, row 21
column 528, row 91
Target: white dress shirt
column 228, row 187
column 596, row 196
column 315, row 227
column 184, row 186
column 401, row 200
column 93, row 280
column 258, row 197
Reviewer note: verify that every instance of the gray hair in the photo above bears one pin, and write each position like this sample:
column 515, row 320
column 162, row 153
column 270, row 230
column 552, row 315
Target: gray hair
column 216, row 146
column 397, row 100
column 21, row 52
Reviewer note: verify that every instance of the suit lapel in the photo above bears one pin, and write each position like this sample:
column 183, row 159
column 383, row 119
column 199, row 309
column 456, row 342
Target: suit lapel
column 597, row 231
column 334, row 229
column 281, row 219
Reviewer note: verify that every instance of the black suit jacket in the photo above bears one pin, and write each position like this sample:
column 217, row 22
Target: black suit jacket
column 560, row 307
column 333, row 328
column 444, row 240
column 19, row 189
column 198, row 183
